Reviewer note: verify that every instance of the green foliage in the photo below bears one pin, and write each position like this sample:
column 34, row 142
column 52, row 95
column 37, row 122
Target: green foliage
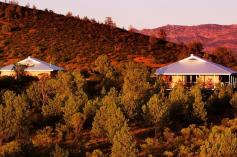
column 43, row 137
column 63, row 94
column 6, row 28
column 220, row 99
column 14, row 115
column 59, row 152
column 221, row 142
column 11, row 149
column 156, row 109
column 104, row 67
column 151, row 147
column 52, row 108
column 233, row 101
column 108, row 120
column 135, row 88
column 34, row 95
column 179, row 96
column 124, row 144
column 97, row 153
column 179, row 104
column 198, row 106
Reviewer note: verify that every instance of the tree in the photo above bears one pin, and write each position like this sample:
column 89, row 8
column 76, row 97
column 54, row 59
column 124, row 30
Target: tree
column 196, row 48
column 34, row 95
column 198, row 106
column 108, row 120
column 162, row 34
column 220, row 99
column 19, row 12
column 124, row 144
column 19, row 70
column 135, row 88
column 178, row 104
column 14, row 114
column 156, row 109
column 110, row 22
column 69, row 14
column 221, row 142
column 104, row 67
column 59, row 152
column 97, row 153
column 6, row 28
column 179, row 95
column 9, row 12
column 68, row 93
column 233, row 102
column 224, row 56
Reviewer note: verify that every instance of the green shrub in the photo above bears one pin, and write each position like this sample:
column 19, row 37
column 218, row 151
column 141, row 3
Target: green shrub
column 6, row 28
column 198, row 106
column 14, row 115
column 233, row 101
column 124, row 144
column 135, row 88
column 108, row 120
column 59, row 152
column 221, row 142
column 156, row 110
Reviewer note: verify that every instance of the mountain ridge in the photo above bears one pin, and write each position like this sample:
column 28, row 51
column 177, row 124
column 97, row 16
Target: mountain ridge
column 211, row 35
column 73, row 42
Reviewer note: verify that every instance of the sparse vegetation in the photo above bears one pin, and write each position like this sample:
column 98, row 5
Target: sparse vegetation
column 110, row 109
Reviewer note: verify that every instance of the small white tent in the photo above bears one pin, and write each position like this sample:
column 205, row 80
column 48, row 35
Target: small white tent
column 33, row 67
column 192, row 68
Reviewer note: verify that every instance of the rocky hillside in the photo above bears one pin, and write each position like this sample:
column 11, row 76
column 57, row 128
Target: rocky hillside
column 73, row 42
column 211, row 35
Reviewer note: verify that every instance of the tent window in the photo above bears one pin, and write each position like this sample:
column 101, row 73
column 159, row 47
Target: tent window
column 194, row 78
column 192, row 59
column 224, row 78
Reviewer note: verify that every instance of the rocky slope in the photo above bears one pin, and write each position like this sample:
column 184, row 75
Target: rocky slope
column 211, row 35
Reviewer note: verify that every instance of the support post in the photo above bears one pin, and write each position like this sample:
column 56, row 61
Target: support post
column 204, row 79
column 229, row 80
column 214, row 81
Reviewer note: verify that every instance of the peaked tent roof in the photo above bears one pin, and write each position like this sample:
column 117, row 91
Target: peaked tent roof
column 33, row 65
column 194, row 65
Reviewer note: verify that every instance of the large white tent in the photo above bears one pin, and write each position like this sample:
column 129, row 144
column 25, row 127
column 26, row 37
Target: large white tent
column 196, row 66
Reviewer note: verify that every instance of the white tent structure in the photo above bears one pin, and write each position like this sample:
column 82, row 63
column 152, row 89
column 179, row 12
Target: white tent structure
column 33, row 67
column 192, row 69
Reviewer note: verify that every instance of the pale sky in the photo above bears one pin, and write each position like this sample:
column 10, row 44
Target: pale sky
column 146, row 13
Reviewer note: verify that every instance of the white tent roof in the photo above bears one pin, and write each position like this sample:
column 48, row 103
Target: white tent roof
column 194, row 65
column 33, row 65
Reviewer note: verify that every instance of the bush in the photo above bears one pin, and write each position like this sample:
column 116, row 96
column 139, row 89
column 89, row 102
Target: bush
column 220, row 99
column 124, row 144
column 233, row 101
column 220, row 143
column 11, row 149
column 156, row 110
column 198, row 106
column 97, row 153
column 104, row 67
column 43, row 137
column 108, row 120
column 6, row 28
column 59, row 152
column 135, row 88
column 14, row 114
